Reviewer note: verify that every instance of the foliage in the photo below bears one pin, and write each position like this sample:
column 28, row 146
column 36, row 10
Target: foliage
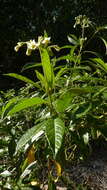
column 55, row 119
column 22, row 20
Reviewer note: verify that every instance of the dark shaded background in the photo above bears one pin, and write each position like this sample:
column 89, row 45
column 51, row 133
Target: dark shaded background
column 26, row 19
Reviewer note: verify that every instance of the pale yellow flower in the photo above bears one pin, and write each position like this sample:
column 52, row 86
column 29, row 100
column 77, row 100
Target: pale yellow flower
column 19, row 44
column 28, row 52
column 31, row 44
column 46, row 40
column 40, row 39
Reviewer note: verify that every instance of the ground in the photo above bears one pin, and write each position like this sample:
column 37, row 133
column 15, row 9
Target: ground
column 91, row 174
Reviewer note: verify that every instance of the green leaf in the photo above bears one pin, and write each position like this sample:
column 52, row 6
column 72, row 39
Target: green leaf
column 56, row 47
column 30, row 65
column 99, row 91
column 73, row 39
column 103, row 130
column 47, row 67
column 42, row 80
column 28, row 169
column 23, row 78
column 65, row 57
column 67, row 47
column 54, row 132
column 100, row 63
column 83, row 110
column 51, row 184
column 102, row 28
column 8, row 107
column 20, row 105
column 33, row 134
column 6, row 173
column 87, row 68
column 73, row 50
column 60, row 73
column 92, row 52
column 64, row 101
column 82, row 90
column 105, row 43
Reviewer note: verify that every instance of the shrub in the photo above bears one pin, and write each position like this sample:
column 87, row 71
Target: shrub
column 68, row 105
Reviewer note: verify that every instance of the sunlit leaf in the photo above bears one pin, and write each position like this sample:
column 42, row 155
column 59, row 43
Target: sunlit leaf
column 11, row 108
column 36, row 132
column 6, row 173
column 31, row 65
column 11, row 103
column 23, row 78
column 54, row 132
column 28, row 170
column 47, row 67
column 87, row 68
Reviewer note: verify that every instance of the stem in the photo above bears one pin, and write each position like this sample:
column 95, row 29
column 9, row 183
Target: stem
column 81, row 45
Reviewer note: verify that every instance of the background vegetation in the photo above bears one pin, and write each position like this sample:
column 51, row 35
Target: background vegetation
column 23, row 20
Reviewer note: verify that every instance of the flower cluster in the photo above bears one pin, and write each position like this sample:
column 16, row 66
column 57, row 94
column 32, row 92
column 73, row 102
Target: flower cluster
column 32, row 44
column 82, row 20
